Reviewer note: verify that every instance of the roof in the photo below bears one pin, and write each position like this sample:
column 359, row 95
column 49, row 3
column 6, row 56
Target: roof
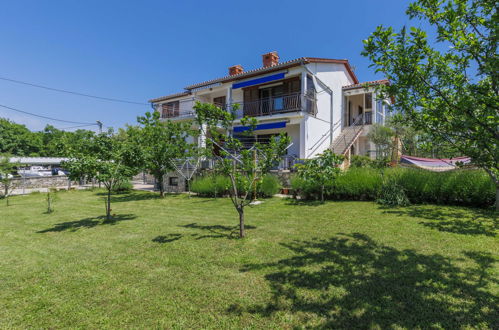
column 367, row 84
column 255, row 72
column 168, row 97
column 37, row 160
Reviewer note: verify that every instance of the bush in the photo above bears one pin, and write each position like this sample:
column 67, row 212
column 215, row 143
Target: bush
column 357, row 184
column 123, row 187
column 219, row 185
column 392, row 194
column 358, row 161
column 270, row 185
column 211, row 185
column 461, row 187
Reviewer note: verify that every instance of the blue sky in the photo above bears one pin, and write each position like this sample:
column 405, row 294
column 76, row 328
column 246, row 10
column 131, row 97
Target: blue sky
column 137, row 50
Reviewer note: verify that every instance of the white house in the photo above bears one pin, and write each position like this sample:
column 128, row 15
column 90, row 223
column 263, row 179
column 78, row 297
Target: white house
column 318, row 102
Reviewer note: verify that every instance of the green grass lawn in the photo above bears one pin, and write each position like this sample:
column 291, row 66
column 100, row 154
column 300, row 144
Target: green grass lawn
column 176, row 263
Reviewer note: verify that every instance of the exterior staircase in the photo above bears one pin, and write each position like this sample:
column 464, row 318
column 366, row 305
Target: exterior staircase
column 348, row 136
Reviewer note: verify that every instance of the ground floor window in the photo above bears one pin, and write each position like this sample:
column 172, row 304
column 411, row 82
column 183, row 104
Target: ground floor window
column 173, row 181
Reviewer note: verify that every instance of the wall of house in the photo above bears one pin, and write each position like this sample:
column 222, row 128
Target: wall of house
column 335, row 76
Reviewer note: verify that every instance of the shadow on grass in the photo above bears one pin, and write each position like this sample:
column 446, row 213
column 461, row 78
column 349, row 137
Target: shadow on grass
column 351, row 281
column 132, row 196
column 217, row 231
column 304, row 202
column 167, row 238
column 453, row 220
column 88, row 223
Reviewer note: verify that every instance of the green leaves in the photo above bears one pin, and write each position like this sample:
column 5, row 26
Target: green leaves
column 446, row 87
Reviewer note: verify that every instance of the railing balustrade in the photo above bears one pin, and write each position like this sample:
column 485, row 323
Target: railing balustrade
column 261, row 107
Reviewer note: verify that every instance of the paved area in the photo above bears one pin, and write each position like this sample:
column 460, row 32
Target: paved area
column 142, row 186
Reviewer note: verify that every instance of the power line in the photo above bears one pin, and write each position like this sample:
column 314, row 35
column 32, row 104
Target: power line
column 77, row 126
column 71, row 92
column 45, row 117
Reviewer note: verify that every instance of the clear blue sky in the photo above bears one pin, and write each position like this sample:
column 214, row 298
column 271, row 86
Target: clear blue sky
column 137, row 50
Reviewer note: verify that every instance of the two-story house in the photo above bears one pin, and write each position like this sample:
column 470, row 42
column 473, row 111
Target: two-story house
column 318, row 102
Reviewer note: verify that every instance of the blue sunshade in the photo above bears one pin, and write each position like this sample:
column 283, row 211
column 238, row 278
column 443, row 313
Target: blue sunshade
column 259, row 80
column 280, row 124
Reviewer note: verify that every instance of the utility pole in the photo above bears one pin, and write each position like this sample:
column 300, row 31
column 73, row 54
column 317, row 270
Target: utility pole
column 99, row 123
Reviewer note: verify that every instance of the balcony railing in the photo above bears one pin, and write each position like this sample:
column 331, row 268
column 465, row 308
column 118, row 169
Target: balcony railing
column 364, row 119
column 278, row 104
column 261, row 107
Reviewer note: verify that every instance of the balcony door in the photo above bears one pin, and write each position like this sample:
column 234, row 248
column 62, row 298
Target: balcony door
column 262, row 100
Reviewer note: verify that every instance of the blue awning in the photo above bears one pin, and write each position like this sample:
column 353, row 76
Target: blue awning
column 280, row 124
column 259, row 80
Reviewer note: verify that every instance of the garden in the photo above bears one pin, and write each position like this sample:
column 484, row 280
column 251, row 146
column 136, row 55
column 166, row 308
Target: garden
column 177, row 262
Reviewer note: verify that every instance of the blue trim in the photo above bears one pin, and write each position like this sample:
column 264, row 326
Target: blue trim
column 280, row 124
column 258, row 80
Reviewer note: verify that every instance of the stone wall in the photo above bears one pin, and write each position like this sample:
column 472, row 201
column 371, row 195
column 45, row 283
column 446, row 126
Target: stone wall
column 41, row 182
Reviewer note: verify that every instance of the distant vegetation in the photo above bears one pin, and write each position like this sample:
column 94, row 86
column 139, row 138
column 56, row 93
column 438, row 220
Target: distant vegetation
column 18, row 140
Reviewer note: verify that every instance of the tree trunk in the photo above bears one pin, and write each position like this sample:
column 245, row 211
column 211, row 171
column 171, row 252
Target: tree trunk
column 161, row 187
column 240, row 210
column 322, row 194
column 108, row 205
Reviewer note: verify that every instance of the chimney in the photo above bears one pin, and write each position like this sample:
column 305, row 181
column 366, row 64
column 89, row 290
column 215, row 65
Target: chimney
column 270, row 59
column 235, row 69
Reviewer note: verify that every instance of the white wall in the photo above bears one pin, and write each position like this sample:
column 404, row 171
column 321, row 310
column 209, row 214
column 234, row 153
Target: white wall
column 335, row 76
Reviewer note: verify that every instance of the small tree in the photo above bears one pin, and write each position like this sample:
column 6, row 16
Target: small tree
column 160, row 144
column 111, row 159
column 6, row 177
column 51, row 197
column 244, row 166
column 320, row 170
column 447, row 89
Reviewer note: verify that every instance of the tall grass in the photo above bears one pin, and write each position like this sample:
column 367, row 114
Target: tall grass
column 460, row 187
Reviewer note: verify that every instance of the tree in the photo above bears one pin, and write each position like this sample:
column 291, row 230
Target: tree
column 382, row 136
column 449, row 89
column 109, row 158
column 320, row 170
column 244, row 166
column 7, row 169
column 18, row 140
column 161, row 143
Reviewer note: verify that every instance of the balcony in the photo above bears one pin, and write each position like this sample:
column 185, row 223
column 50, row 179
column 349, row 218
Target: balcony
column 278, row 104
column 182, row 109
column 262, row 107
column 363, row 119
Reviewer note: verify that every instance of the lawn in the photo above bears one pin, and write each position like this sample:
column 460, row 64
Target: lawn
column 176, row 263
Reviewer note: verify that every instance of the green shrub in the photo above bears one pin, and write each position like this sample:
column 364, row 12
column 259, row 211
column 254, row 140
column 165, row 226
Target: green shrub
column 211, row 185
column 357, row 184
column 392, row 194
column 460, row 187
column 357, row 161
column 123, row 187
column 270, row 185
column 305, row 189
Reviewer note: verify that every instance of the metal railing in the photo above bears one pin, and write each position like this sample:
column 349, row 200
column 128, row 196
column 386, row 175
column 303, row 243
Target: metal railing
column 279, row 104
column 261, row 107
column 365, row 118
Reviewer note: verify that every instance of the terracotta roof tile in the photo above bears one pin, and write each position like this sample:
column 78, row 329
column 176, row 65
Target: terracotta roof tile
column 280, row 66
column 262, row 70
column 168, row 97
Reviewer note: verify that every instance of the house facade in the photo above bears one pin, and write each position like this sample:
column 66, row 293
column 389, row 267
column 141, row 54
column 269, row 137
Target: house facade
column 318, row 102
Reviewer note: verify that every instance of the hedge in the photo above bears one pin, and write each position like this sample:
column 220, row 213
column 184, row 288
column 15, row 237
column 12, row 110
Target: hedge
column 459, row 187
column 218, row 185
